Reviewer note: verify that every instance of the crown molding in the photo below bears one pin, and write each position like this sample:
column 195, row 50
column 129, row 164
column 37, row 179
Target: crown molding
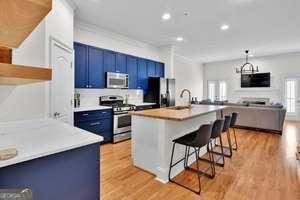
column 78, row 24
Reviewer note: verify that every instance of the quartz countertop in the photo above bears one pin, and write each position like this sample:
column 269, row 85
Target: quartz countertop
column 178, row 115
column 90, row 108
column 41, row 137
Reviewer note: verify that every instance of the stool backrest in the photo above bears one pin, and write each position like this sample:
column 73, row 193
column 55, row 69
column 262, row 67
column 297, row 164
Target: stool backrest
column 203, row 135
column 217, row 128
column 226, row 123
column 233, row 119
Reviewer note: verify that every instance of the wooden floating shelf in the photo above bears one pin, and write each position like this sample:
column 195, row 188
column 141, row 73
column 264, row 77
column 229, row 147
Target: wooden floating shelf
column 19, row 75
column 18, row 18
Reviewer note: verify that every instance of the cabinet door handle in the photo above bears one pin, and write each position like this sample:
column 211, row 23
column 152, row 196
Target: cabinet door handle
column 95, row 124
column 103, row 112
column 85, row 114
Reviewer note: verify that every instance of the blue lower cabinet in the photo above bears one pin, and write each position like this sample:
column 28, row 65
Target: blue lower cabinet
column 68, row 175
column 98, row 122
column 98, row 127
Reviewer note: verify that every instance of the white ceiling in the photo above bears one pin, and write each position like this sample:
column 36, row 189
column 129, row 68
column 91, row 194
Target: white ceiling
column 263, row 26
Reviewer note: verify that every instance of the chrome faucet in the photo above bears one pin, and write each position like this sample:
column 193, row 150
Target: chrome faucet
column 190, row 94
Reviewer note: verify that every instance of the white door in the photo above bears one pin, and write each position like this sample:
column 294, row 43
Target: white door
column 62, row 84
column 292, row 97
column 217, row 90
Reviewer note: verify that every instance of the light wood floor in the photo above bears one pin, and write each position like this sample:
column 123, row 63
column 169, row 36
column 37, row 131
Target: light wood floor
column 263, row 168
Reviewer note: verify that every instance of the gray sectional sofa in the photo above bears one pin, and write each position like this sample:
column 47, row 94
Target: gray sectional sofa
column 256, row 116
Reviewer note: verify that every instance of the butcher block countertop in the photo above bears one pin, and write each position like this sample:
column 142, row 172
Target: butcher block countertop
column 172, row 113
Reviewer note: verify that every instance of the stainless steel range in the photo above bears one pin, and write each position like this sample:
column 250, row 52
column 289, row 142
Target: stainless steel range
column 121, row 118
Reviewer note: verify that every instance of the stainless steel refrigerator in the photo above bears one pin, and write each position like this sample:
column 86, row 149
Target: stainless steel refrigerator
column 161, row 91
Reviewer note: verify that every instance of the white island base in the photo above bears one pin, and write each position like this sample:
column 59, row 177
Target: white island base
column 152, row 143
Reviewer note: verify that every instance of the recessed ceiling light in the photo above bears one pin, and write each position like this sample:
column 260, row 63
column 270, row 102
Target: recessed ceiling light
column 166, row 16
column 251, row 55
column 179, row 39
column 224, row 27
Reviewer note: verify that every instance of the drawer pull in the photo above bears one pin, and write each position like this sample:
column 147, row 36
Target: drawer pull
column 104, row 112
column 85, row 114
column 95, row 124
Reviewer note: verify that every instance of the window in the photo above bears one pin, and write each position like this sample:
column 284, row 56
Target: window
column 217, row 90
column 290, row 93
column 211, row 91
column 223, row 91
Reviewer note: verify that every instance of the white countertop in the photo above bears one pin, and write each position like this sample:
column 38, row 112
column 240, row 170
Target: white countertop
column 41, row 137
column 90, row 108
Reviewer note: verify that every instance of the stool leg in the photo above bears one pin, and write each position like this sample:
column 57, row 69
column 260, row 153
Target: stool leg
column 185, row 157
column 235, row 140
column 212, row 161
column 171, row 162
column 198, row 174
column 222, row 150
column 229, row 142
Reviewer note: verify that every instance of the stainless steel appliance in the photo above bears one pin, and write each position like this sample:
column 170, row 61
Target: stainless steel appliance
column 121, row 118
column 161, row 91
column 117, row 80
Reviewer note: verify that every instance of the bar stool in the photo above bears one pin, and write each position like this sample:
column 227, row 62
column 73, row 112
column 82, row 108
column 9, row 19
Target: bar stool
column 196, row 139
column 232, row 126
column 226, row 127
column 216, row 133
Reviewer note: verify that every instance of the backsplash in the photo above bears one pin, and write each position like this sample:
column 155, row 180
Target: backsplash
column 90, row 97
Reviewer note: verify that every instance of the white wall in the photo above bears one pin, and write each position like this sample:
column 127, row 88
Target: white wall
column 188, row 74
column 31, row 101
column 280, row 66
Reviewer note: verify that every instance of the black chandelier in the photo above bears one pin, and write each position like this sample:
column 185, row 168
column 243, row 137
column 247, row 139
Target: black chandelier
column 247, row 68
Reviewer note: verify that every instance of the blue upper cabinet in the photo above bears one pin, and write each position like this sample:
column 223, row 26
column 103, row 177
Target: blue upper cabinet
column 109, row 61
column 92, row 63
column 96, row 71
column 121, row 63
column 81, row 65
column 132, row 70
column 142, row 75
column 159, row 69
column 151, row 68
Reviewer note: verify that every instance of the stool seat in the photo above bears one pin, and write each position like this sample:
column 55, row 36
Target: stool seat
column 187, row 139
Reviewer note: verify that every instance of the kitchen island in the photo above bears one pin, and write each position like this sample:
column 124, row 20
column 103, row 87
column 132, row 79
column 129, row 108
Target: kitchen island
column 54, row 160
column 153, row 131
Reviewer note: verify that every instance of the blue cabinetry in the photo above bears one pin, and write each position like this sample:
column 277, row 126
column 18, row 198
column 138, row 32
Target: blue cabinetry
column 151, row 68
column 159, row 69
column 91, row 64
column 95, row 68
column 121, row 63
column 132, row 70
column 142, row 75
column 98, row 122
column 81, row 65
column 109, row 61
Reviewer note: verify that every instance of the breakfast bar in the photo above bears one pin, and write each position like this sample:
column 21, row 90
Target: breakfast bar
column 153, row 131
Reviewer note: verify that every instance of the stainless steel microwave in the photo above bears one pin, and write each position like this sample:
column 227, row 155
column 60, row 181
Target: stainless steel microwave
column 117, row 80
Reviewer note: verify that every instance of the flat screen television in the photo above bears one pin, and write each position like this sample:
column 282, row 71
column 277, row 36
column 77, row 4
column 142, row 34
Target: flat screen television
column 256, row 80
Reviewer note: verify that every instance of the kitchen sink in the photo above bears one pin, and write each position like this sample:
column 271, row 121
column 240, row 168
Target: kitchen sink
column 188, row 107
